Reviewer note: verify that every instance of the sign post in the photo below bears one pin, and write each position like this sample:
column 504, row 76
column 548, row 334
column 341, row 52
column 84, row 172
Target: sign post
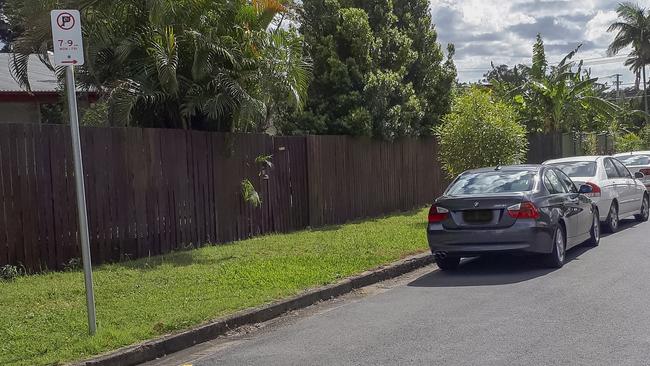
column 68, row 51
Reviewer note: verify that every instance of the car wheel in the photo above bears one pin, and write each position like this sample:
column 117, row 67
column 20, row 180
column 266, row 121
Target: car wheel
column 555, row 259
column 612, row 219
column 594, row 240
column 645, row 210
column 448, row 263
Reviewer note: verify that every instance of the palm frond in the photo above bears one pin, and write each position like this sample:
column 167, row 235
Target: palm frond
column 164, row 51
column 18, row 67
column 569, row 56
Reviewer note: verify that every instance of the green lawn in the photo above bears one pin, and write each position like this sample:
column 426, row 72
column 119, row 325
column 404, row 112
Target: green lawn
column 43, row 319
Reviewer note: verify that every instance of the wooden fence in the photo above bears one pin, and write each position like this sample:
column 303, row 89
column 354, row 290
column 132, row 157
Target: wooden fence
column 542, row 147
column 152, row 191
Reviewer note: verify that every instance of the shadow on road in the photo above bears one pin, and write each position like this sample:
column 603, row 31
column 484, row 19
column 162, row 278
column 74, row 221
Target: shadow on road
column 624, row 225
column 492, row 270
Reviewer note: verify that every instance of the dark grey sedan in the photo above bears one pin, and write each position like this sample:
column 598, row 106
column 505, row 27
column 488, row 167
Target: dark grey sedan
column 512, row 209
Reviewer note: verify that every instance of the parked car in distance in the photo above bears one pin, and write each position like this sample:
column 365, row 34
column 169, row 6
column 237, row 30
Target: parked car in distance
column 637, row 161
column 512, row 209
column 615, row 191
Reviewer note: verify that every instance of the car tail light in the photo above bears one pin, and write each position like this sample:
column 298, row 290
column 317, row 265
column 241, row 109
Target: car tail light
column 437, row 214
column 645, row 171
column 524, row 210
column 595, row 190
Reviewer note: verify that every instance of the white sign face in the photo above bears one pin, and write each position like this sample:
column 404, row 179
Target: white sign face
column 66, row 37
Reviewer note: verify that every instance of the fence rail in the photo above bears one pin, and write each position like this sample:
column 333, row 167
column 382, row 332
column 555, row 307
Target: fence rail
column 152, row 191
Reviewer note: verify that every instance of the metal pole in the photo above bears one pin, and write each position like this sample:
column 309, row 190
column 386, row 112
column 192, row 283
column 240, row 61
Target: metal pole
column 81, row 198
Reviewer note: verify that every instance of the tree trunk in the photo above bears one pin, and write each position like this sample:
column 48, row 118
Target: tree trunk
column 645, row 96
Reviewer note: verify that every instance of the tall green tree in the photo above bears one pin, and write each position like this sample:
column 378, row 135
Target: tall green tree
column 378, row 69
column 432, row 74
column 633, row 29
column 202, row 64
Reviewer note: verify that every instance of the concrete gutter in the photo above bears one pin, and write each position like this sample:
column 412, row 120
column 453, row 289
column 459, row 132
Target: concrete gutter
column 156, row 348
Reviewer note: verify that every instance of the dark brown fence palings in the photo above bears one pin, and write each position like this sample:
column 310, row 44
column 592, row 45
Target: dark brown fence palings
column 152, row 191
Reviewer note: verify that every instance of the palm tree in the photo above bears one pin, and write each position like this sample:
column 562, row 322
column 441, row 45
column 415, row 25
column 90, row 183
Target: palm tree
column 180, row 63
column 633, row 27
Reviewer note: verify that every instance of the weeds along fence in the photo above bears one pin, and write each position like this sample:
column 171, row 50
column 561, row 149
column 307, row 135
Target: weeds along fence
column 152, row 191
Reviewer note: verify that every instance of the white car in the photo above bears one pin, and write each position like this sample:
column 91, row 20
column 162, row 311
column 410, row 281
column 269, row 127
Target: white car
column 637, row 161
column 616, row 192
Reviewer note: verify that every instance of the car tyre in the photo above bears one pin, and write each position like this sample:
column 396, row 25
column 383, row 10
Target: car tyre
column 555, row 259
column 594, row 239
column 612, row 219
column 645, row 210
column 448, row 263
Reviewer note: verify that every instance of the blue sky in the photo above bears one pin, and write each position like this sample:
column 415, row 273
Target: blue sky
column 504, row 31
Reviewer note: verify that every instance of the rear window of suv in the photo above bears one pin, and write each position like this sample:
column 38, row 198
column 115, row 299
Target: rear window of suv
column 632, row 160
column 493, row 182
column 577, row 168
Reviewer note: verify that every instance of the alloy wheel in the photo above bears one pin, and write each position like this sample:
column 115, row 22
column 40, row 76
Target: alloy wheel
column 596, row 228
column 645, row 208
column 559, row 244
column 613, row 217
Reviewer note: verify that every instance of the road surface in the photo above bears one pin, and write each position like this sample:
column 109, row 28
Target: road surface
column 499, row 311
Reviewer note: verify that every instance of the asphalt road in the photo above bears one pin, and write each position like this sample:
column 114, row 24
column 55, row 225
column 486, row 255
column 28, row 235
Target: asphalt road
column 493, row 311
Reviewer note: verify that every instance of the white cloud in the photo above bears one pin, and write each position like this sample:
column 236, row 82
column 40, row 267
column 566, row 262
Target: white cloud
column 596, row 29
column 502, row 31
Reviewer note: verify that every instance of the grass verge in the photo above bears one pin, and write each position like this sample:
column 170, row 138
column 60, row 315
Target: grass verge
column 43, row 318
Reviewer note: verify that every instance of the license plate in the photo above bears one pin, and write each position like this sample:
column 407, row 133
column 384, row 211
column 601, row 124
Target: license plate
column 477, row 216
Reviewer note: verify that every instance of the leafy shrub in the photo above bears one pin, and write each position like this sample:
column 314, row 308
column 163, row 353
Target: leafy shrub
column 96, row 115
column 9, row 272
column 480, row 132
column 590, row 144
column 628, row 142
column 72, row 265
column 249, row 194
column 645, row 137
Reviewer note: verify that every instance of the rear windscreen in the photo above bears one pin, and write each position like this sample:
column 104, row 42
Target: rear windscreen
column 577, row 168
column 493, row 182
column 632, row 160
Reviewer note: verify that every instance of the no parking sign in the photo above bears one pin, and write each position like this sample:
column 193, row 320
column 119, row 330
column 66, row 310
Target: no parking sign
column 68, row 52
column 66, row 37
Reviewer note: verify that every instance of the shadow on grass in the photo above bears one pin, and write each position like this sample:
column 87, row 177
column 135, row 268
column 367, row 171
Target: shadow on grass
column 188, row 256
column 176, row 259
column 493, row 270
column 361, row 220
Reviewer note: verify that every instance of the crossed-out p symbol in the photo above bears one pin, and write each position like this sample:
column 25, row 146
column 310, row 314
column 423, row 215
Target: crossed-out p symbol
column 65, row 21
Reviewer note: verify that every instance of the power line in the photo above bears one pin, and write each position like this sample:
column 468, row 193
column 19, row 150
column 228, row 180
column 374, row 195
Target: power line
column 632, row 97
column 594, row 61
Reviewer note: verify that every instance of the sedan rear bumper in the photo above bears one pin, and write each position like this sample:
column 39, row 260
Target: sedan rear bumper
column 524, row 236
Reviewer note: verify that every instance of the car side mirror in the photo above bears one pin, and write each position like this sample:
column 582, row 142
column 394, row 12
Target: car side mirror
column 585, row 188
column 639, row 175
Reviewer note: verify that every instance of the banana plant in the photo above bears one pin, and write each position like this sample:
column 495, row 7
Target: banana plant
column 564, row 95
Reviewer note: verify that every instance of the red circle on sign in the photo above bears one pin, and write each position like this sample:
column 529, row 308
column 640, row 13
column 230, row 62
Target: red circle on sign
column 65, row 21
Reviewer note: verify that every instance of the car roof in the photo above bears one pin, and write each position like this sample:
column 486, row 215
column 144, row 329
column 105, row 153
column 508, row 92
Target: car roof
column 575, row 158
column 644, row 152
column 519, row 167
